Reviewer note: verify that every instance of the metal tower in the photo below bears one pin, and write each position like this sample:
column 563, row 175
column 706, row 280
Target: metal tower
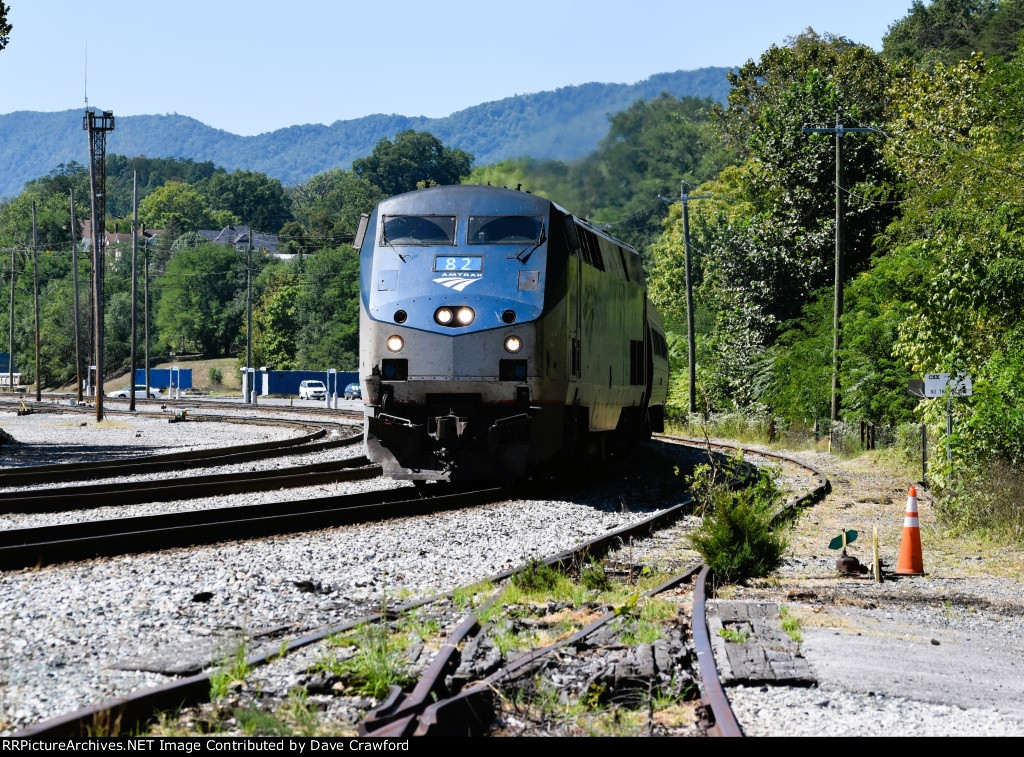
column 98, row 126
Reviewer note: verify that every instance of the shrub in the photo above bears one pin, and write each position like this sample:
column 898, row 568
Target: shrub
column 216, row 377
column 736, row 537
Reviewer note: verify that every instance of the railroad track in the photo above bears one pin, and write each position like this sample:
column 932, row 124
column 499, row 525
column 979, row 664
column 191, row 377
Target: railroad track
column 46, row 545
column 69, row 498
column 431, row 710
column 428, row 709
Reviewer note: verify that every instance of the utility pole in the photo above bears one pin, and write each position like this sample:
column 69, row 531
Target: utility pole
column 135, row 254
column 74, row 278
column 98, row 126
column 691, row 350
column 145, row 306
column 839, row 130
column 10, row 344
column 249, row 374
column 35, row 295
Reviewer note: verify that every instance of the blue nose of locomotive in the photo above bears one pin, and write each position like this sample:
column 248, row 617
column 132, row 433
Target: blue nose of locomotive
column 456, row 260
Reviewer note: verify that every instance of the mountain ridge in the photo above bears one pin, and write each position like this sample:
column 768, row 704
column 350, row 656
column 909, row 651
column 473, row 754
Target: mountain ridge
column 562, row 124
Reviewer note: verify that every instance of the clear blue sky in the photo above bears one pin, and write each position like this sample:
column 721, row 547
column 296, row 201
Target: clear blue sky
column 250, row 66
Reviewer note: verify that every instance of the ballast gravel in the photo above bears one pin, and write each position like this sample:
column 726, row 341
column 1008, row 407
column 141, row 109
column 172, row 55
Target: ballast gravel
column 79, row 633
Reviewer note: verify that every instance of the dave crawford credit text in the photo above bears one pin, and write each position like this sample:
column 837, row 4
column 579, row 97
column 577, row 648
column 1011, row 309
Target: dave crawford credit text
column 193, row 745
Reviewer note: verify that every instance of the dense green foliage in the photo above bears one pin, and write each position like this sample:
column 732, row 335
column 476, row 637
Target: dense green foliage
column 945, row 31
column 414, row 159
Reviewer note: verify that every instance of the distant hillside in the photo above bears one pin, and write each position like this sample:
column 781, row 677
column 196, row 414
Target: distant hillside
column 564, row 124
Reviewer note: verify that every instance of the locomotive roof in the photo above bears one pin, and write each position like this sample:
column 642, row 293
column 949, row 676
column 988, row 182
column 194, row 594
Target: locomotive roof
column 458, row 198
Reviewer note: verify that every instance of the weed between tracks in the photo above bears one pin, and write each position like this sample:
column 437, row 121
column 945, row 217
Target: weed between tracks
column 629, row 678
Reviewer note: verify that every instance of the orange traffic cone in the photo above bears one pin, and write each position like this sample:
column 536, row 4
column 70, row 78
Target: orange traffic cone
column 910, row 562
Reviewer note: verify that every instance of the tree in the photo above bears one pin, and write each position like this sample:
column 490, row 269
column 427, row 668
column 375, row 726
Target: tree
column 649, row 150
column 275, row 318
column 412, row 159
column 198, row 290
column 774, row 245
column 943, row 31
column 179, row 205
column 328, row 311
column 328, row 207
column 256, row 199
column 153, row 173
column 5, row 26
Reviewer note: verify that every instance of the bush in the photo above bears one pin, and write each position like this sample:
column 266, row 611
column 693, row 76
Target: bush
column 216, row 377
column 987, row 499
column 736, row 538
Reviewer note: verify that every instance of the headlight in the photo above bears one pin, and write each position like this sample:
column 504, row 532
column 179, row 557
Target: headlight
column 465, row 316
column 444, row 316
column 395, row 343
column 513, row 344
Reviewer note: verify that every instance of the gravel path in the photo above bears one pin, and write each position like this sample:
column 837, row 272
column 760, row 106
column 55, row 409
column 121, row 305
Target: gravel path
column 936, row 655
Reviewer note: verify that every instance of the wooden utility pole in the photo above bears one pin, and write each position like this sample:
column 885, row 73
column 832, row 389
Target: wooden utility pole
column 135, row 251
column 35, row 296
column 837, row 311
column 74, row 278
column 145, row 305
column 10, row 344
column 691, row 349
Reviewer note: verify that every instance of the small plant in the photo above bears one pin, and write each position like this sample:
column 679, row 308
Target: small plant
column 297, row 710
column 377, row 665
column 734, row 635
column 641, row 632
column 233, row 670
column 508, row 641
column 216, row 375
column 790, row 624
column 258, row 723
column 465, row 597
column 593, row 576
column 537, row 577
column 736, row 537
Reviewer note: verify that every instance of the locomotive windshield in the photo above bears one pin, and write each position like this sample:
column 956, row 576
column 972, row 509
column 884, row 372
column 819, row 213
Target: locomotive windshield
column 418, row 230
column 504, row 229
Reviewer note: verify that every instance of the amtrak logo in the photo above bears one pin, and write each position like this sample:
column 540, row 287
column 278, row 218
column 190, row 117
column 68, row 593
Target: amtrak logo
column 457, row 283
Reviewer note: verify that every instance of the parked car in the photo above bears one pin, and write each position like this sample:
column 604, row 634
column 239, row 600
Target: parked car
column 312, row 390
column 353, row 392
column 140, row 391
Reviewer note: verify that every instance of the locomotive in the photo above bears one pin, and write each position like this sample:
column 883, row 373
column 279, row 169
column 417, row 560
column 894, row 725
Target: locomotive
column 499, row 335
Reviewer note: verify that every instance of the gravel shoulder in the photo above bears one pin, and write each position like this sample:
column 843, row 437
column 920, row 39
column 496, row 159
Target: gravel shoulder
column 935, row 655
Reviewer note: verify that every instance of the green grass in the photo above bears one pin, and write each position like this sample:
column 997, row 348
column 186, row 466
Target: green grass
column 234, row 669
column 790, row 624
column 594, row 577
column 378, row 663
column 466, row 597
column 733, row 635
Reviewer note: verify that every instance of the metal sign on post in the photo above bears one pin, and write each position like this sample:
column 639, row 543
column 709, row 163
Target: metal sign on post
column 948, row 386
column 958, row 385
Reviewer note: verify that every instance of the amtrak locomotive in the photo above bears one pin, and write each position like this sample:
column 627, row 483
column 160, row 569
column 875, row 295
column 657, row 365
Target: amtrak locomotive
column 500, row 335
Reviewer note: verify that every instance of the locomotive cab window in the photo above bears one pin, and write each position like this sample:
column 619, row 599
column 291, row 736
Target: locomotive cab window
column 505, row 229
column 421, row 230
